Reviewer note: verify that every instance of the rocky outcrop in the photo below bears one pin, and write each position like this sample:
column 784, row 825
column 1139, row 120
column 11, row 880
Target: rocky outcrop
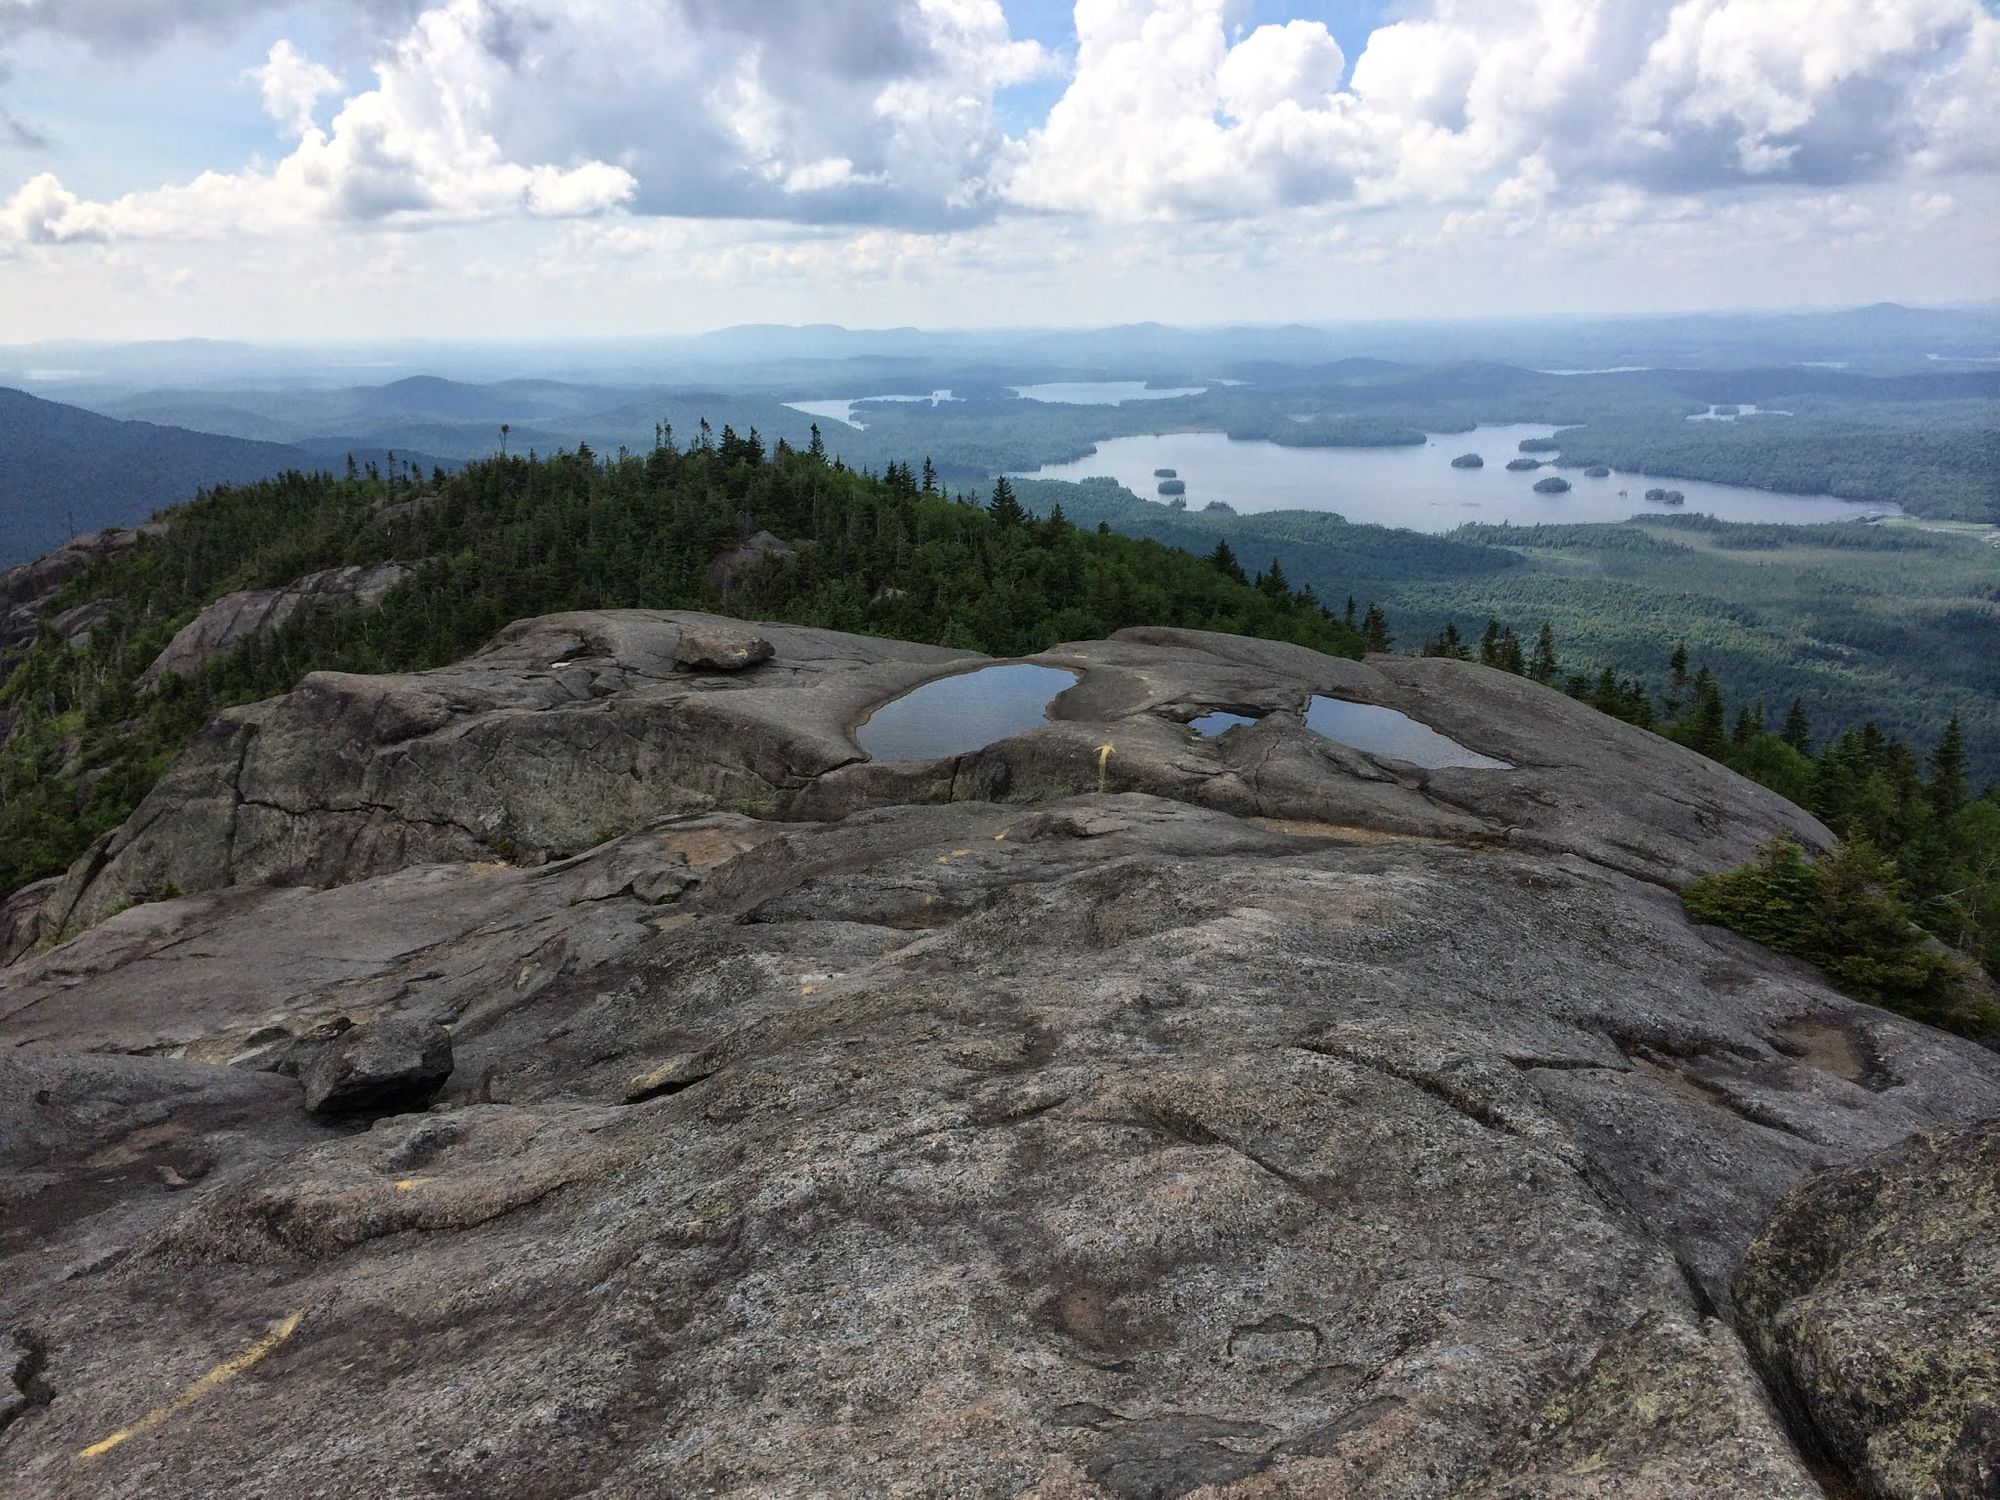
column 571, row 729
column 1109, row 1112
column 746, row 556
column 29, row 589
column 237, row 617
column 1873, row 1296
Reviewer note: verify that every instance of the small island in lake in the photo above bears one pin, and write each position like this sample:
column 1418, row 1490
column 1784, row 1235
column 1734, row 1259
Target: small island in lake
column 1220, row 508
column 1552, row 486
column 1173, row 486
column 1522, row 465
column 1666, row 497
column 1540, row 445
column 1468, row 461
column 1597, row 471
column 1166, row 473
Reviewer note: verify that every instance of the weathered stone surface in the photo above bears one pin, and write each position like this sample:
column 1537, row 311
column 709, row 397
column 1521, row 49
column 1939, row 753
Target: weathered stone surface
column 721, row 650
column 28, row 589
column 1873, row 1296
column 571, row 729
column 1669, row 1410
column 235, row 618
column 743, row 557
column 1273, row 1122
column 393, row 1065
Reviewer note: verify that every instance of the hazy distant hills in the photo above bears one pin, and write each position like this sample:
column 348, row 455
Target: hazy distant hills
column 65, row 470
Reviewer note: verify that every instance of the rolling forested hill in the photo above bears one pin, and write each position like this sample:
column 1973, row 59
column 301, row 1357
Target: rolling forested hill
column 64, row 470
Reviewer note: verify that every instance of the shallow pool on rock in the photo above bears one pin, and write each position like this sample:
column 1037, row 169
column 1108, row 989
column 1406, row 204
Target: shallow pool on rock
column 957, row 715
column 1212, row 726
column 1389, row 735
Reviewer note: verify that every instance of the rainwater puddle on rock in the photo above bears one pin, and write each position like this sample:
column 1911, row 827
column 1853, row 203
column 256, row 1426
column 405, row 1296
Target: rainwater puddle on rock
column 1215, row 725
column 1389, row 735
column 957, row 715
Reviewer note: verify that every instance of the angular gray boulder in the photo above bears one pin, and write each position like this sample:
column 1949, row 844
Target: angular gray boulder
column 390, row 1066
column 237, row 617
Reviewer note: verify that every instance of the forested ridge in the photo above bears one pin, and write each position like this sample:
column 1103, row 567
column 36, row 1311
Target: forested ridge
column 517, row 536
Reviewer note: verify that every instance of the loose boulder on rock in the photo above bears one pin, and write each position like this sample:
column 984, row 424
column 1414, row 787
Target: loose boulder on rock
column 721, row 650
column 391, row 1066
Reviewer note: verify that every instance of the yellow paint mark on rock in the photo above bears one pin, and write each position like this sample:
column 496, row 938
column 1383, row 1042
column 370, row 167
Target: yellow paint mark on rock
column 807, row 989
column 220, row 1376
column 1104, row 754
column 411, row 1184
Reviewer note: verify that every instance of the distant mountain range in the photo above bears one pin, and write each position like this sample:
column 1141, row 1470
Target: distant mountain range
column 64, row 470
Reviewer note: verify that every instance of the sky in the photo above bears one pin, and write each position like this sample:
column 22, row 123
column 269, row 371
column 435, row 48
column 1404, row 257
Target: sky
column 299, row 169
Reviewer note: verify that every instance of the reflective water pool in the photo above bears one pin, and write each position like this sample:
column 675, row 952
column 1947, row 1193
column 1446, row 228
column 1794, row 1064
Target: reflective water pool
column 1211, row 726
column 957, row 715
column 1389, row 735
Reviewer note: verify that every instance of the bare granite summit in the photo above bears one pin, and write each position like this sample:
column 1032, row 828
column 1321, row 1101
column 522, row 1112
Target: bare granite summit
column 1109, row 1111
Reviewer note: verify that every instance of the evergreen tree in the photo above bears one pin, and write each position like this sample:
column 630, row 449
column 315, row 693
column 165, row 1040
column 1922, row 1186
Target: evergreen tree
column 816, row 449
column 1375, row 629
column 1003, row 507
column 1707, row 729
column 1508, row 657
column 1543, row 667
column 1348, row 618
column 930, row 476
column 1947, row 787
column 1272, row 581
column 1223, row 558
column 1798, row 729
column 1489, row 643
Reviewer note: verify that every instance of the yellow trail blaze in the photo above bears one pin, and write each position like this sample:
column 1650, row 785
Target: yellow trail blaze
column 1104, row 765
column 221, row 1375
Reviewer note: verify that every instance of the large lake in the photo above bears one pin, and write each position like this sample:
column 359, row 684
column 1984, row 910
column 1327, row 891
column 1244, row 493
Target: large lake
column 1417, row 487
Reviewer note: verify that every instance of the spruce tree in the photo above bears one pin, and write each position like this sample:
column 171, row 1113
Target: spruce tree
column 1798, row 729
column 1707, row 721
column 1223, row 559
column 1947, row 786
column 1489, row 643
column 1375, row 629
column 1543, row 667
column 1003, row 507
column 1508, row 657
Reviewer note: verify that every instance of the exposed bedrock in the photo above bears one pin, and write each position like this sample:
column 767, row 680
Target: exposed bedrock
column 1274, row 1123
column 571, row 729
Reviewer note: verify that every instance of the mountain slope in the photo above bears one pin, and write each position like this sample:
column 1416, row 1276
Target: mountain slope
column 64, row 470
column 1108, row 1112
